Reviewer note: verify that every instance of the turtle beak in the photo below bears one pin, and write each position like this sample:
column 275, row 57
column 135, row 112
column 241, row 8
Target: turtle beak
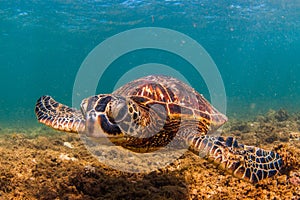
column 92, row 127
column 98, row 126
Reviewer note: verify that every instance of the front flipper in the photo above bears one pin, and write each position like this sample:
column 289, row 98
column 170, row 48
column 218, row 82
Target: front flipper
column 246, row 162
column 58, row 116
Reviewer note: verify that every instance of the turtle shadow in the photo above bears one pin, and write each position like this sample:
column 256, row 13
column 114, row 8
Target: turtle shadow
column 95, row 184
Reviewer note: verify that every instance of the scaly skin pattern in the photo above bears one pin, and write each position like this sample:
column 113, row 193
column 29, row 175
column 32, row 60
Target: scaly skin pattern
column 58, row 116
column 245, row 162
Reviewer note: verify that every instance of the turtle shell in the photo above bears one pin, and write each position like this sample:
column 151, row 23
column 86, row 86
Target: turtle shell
column 175, row 96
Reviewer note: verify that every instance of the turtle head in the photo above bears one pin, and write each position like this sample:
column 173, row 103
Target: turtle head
column 102, row 113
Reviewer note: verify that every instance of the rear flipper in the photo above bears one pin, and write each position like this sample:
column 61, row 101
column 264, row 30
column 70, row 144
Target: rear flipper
column 246, row 162
column 58, row 116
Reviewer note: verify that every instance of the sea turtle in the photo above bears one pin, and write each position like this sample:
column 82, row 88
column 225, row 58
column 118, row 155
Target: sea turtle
column 147, row 113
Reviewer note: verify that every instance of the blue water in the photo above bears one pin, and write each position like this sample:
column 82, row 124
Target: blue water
column 255, row 45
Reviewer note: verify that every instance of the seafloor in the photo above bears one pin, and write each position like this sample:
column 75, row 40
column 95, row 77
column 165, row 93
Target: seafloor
column 40, row 164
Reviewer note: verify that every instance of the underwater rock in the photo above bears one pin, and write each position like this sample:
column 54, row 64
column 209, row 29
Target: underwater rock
column 243, row 127
column 238, row 125
column 68, row 144
column 272, row 115
column 281, row 115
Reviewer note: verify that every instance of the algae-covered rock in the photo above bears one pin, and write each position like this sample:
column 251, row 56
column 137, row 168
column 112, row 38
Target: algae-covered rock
column 281, row 115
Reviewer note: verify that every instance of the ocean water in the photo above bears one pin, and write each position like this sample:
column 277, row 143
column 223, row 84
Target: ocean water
column 254, row 44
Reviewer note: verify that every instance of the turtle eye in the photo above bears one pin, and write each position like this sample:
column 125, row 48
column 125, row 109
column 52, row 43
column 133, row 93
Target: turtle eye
column 117, row 110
